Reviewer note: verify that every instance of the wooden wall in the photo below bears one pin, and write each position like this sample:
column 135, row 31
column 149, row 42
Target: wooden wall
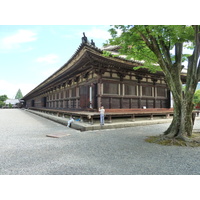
column 111, row 88
column 131, row 92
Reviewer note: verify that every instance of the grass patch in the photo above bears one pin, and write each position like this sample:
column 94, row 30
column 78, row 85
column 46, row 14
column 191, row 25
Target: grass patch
column 160, row 139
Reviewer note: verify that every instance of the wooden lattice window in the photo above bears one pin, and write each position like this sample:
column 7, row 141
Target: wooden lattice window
column 61, row 104
column 61, row 95
column 67, row 93
column 67, row 104
column 73, row 103
column 73, row 92
column 130, row 90
column 110, row 88
column 146, row 91
column 161, row 92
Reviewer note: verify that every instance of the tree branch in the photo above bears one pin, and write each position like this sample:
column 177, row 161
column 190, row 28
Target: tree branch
column 146, row 41
column 165, row 50
column 178, row 54
column 153, row 45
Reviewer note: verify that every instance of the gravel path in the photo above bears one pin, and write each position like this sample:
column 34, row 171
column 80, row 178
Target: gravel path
column 25, row 149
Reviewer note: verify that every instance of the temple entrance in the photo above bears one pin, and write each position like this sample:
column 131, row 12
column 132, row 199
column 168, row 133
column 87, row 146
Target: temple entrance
column 44, row 102
column 32, row 103
column 88, row 96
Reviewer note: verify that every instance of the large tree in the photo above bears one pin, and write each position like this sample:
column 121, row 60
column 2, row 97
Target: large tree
column 161, row 47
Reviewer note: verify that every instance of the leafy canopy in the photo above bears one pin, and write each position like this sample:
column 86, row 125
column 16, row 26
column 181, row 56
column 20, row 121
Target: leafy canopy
column 2, row 99
column 136, row 41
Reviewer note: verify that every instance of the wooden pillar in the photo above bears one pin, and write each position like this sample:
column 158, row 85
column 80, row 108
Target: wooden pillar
column 99, row 94
column 109, row 118
column 155, row 91
column 139, row 78
column 133, row 117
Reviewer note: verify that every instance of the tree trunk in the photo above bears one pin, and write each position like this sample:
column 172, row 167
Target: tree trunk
column 182, row 123
column 189, row 118
column 174, row 127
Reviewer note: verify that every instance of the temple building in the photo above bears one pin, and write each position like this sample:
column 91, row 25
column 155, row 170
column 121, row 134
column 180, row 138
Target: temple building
column 90, row 79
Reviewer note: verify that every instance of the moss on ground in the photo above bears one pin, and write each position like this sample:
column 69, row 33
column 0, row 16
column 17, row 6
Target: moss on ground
column 160, row 139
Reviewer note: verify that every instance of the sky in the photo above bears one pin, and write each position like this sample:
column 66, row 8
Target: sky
column 29, row 54
column 38, row 37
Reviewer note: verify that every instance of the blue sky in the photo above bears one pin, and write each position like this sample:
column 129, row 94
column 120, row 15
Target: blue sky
column 31, row 53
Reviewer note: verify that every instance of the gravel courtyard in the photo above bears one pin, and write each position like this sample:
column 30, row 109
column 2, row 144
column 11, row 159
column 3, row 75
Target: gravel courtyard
column 25, row 149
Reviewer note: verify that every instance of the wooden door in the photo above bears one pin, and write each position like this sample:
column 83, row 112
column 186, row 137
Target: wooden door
column 84, row 96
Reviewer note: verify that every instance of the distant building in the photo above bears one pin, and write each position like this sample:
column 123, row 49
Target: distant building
column 13, row 102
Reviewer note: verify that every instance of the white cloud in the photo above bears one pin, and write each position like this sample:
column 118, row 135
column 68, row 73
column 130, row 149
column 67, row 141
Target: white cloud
column 49, row 59
column 10, row 89
column 14, row 41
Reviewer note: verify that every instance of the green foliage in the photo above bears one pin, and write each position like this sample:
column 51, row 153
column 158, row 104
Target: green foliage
column 2, row 104
column 196, row 99
column 19, row 95
column 106, row 53
column 2, row 99
column 136, row 42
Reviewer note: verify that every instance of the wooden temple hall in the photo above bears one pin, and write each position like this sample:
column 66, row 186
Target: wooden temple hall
column 89, row 79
